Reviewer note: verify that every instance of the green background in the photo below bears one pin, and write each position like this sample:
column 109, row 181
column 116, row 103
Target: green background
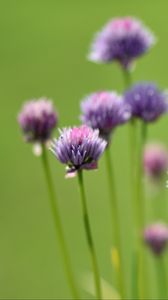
column 43, row 48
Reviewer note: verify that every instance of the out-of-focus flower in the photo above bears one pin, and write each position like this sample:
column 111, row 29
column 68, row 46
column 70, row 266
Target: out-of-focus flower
column 146, row 101
column 37, row 119
column 156, row 237
column 155, row 161
column 104, row 111
column 122, row 40
column 79, row 148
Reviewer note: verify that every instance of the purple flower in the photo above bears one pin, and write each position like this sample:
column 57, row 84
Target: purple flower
column 37, row 119
column 146, row 101
column 104, row 111
column 156, row 237
column 155, row 161
column 78, row 148
column 121, row 40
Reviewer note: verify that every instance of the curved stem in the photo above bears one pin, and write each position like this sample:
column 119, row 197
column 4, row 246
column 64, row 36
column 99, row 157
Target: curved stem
column 58, row 225
column 89, row 237
column 115, row 218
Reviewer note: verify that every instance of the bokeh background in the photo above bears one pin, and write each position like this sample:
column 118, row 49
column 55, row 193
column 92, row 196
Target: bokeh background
column 43, row 51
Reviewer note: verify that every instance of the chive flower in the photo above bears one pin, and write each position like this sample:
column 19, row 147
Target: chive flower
column 147, row 102
column 79, row 148
column 122, row 40
column 104, row 111
column 155, row 161
column 37, row 119
column 156, row 237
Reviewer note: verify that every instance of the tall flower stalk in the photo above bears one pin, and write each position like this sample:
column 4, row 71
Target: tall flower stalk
column 105, row 111
column 58, row 225
column 122, row 40
column 140, row 204
column 89, row 237
column 80, row 148
column 37, row 120
column 147, row 103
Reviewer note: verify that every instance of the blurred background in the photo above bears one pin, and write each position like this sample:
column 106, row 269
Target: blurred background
column 44, row 44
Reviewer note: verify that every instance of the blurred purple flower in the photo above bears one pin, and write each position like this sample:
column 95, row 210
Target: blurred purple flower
column 156, row 237
column 78, row 148
column 146, row 101
column 104, row 111
column 155, row 160
column 37, row 119
column 121, row 40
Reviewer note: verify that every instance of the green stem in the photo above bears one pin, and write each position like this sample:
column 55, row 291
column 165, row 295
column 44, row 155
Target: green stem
column 89, row 237
column 133, row 149
column 141, row 209
column 115, row 218
column 127, row 78
column 58, row 225
column 144, row 133
column 161, row 277
column 133, row 167
column 140, row 175
column 133, row 152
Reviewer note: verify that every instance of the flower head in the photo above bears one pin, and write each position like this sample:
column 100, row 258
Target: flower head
column 37, row 119
column 146, row 101
column 155, row 160
column 78, row 148
column 104, row 111
column 156, row 237
column 121, row 40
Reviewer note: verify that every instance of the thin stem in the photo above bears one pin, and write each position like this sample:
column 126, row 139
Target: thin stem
column 58, row 225
column 162, row 277
column 140, row 175
column 133, row 164
column 127, row 78
column 89, row 237
column 133, row 152
column 115, row 217
column 133, row 147
column 141, row 208
column 144, row 133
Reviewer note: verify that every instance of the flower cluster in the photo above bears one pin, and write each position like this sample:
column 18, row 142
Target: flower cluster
column 155, row 161
column 37, row 119
column 122, row 40
column 104, row 111
column 146, row 101
column 78, row 148
column 156, row 237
